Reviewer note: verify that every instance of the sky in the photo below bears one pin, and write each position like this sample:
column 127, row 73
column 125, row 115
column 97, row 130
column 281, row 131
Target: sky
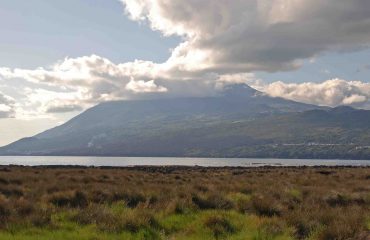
column 58, row 58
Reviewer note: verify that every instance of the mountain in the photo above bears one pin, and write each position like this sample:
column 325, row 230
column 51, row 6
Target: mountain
column 239, row 122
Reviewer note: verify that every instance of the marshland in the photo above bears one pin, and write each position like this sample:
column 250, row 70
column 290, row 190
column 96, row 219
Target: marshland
column 168, row 202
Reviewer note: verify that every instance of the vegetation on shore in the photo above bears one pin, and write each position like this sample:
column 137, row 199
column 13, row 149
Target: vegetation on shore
column 184, row 203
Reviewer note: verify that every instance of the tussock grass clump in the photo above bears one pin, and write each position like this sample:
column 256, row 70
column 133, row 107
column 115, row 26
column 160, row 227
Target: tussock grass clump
column 219, row 225
column 179, row 206
column 23, row 207
column 242, row 202
column 131, row 220
column 11, row 191
column 4, row 210
column 344, row 223
column 131, row 199
column 265, row 206
column 93, row 214
column 73, row 199
column 135, row 220
column 41, row 218
column 270, row 228
column 212, row 202
column 100, row 196
column 304, row 221
column 4, row 181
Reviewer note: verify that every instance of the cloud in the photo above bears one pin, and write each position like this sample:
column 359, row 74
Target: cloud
column 63, row 108
column 144, row 87
column 223, row 42
column 78, row 83
column 83, row 82
column 254, row 35
column 332, row 92
column 6, row 106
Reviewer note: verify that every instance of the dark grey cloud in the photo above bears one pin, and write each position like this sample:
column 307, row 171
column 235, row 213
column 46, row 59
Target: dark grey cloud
column 258, row 35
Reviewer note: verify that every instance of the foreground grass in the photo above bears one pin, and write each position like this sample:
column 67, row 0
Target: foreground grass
column 184, row 203
column 202, row 225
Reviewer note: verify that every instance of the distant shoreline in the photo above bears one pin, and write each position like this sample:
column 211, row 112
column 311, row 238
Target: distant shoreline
column 191, row 157
column 170, row 168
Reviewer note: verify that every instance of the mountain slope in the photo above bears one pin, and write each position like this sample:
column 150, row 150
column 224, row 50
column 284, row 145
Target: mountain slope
column 240, row 122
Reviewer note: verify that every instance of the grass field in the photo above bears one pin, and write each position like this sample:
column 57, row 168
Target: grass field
column 184, row 203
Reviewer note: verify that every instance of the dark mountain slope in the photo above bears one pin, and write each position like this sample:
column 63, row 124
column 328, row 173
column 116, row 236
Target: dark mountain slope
column 241, row 122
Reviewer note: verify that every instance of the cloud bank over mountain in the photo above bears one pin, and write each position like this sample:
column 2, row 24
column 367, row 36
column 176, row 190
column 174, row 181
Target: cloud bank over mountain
column 332, row 92
column 223, row 42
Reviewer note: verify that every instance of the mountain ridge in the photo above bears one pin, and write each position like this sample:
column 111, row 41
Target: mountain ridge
column 239, row 122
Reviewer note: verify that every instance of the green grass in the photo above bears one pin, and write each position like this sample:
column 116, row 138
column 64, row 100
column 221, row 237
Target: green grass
column 175, row 226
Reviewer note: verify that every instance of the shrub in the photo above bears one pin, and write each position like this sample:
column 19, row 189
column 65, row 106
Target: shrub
column 346, row 223
column 10, row 191
column 178, row 206
column 132, row 221
column 4, row 210
column 4, row 181
column 41, row 218
column 93, row 214
column 100, row 196
column 76, row 199
column 264, row 206
column 304, row 221
column 304, row 228
column 219, row 225
column 131, row 199
column 270, row 229
column 212, row 202
column 242, row 202
column 23, row 207
column 338, row 200
column 16, row 181
column 295, row 195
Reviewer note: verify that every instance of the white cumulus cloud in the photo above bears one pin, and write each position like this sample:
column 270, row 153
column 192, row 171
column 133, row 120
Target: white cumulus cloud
column 6, row 106
column 332, row 92
column 223, row 42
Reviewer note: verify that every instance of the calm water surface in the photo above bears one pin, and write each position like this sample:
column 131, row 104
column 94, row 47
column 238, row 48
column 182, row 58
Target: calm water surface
column 132, row 161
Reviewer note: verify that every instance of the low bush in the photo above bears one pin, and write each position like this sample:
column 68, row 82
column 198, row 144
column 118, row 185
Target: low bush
column 265, row 206
column 41, row 218
column 270, row 229
column 93, row 214
column 131, row 199
column 74, row 199
column 4, row 181
column 219, row 225
column 212, row 202
column 131, row 221
column 5, row 210
column 23, row 207
column 11, row 191
column 345, row 223
column 338, row 200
